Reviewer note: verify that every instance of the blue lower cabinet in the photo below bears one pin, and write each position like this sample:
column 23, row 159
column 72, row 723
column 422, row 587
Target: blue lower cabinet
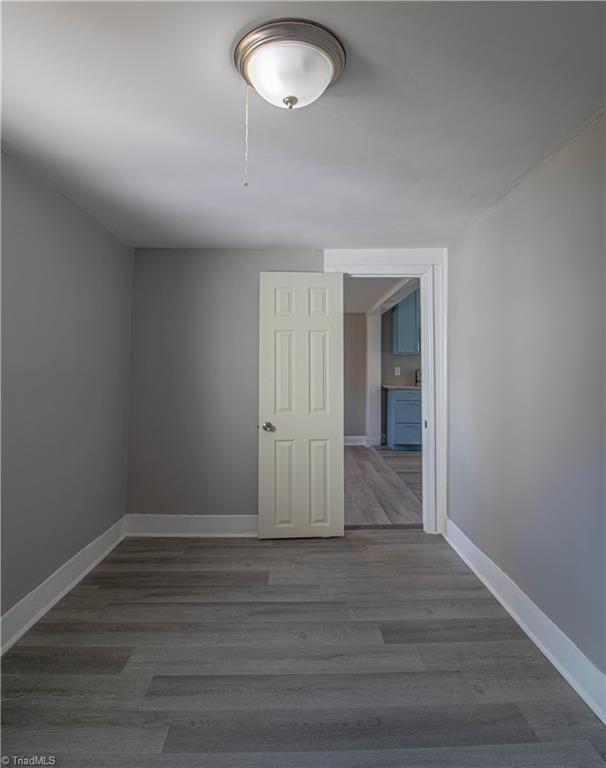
column 403, row 418
column 407, row 412
column 407, row 434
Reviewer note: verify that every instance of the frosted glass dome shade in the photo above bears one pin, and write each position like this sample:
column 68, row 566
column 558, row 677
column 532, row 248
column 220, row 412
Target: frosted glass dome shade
column 290, row 62
column 289, row 74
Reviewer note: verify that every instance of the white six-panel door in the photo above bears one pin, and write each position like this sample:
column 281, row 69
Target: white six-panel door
column 301, row 405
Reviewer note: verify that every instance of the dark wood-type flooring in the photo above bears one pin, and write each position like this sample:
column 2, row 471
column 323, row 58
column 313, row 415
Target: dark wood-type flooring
column 380, row 650
column 376, row 495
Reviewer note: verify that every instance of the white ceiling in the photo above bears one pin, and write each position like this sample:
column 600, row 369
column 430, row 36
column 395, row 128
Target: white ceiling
column 361, row 294
column 135, row 111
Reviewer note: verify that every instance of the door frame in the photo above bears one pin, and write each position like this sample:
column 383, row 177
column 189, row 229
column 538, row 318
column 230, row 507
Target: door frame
column 429, row 265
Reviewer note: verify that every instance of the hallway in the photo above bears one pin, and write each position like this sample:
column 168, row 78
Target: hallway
column 406, row 464
column 376, row 495
column 380, row 649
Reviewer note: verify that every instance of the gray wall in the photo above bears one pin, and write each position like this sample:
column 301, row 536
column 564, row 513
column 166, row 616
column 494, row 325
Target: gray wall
column 354, row 373
column 526, row 379
column 194, row 386
column 66, row 316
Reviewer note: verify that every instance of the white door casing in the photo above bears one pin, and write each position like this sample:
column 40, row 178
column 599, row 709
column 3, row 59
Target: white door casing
column 430, row 265
column 301, row 396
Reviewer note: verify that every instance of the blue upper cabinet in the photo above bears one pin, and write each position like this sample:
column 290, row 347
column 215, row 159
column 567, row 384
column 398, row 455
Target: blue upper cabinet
column 406, row 328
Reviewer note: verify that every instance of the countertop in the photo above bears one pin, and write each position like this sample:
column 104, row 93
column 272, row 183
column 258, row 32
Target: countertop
column 400, row 386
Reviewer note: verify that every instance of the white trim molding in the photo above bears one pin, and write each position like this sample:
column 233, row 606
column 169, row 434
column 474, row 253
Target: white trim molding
column 586, row 679
column 373, row 379
column 355, row 440
column 360, row 259
column 429, row 265
column 440, row 274
column 18, row 619
column 219, row 526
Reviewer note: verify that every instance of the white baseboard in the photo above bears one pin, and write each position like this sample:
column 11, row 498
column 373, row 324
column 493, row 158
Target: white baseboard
column 354, row 439
column 18, row 619
column 586, row 679
column 191, row 525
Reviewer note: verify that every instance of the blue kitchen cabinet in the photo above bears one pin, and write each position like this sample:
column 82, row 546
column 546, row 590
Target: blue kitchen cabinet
column 406, row 326
column 403, row 418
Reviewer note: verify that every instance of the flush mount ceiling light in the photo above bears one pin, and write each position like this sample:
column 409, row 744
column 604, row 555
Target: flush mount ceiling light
column 290, row 62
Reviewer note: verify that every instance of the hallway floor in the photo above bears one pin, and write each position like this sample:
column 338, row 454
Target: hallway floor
column 376, row 494
column 380, row 650
column 407, row 465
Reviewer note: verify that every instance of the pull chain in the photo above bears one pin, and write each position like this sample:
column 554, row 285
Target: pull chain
column 246, row 89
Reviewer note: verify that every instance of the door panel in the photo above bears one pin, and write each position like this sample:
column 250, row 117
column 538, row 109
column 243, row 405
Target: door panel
column 301, row 396
column 284, row 492
column 318, row 371
column 319, row 488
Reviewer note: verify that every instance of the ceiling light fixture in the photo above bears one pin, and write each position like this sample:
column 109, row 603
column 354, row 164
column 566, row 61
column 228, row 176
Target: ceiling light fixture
column 290, row 62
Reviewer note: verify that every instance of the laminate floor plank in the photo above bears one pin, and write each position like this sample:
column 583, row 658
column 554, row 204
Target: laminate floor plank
column 103, row 596
column 376, row 571
column 515, row 685
column 367, row 596
column 155, row 543
column 378, row 650
column 375, row 495
column 335, row 729
column 79, row 729
column 150, row 578
column 276, row 660
column 362, row 507
column 203, row 634
column 572, row 754
column 473, row 655
column 84, row 740
column 394, row 610
column 450, row 630
column 565, row 717
column 236, row 568
column 248, row 613
column 307, row 691
column 64, row 692
column 61, row 660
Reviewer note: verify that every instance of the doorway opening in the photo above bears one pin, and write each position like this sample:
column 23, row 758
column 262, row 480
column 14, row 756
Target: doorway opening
column 383, row 435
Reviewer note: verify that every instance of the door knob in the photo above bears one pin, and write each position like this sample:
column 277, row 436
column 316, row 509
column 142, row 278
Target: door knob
column 268, row 426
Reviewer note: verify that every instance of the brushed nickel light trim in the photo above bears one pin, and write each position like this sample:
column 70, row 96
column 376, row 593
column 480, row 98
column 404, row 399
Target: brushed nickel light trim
column 290, row 30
